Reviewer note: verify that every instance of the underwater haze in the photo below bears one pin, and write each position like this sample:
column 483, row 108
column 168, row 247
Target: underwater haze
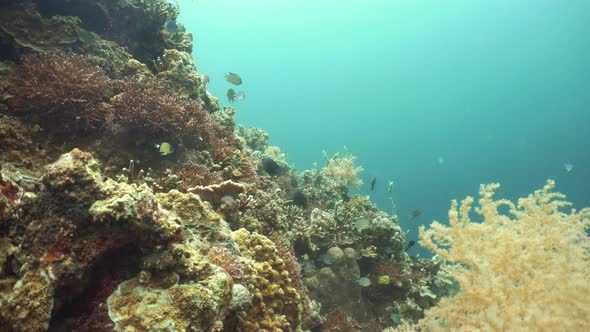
column 438, row 96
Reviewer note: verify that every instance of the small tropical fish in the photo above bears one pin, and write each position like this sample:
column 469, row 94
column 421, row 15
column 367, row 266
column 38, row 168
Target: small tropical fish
column 299, row 199
column 409, row 245
column 363, row 282
column 206, row 79
column 172, row 27
column 231, row 95
column 240, row 96
column 396, row 318
column 305, row 257
column 425, row 291
column 568, row 167
column 373, row 183
column 233, row 78
column 270, row 166
column 165, row 148
column 362, row 223
column 415, row 214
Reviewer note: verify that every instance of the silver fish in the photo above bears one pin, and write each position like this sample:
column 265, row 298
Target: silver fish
column 240, row 96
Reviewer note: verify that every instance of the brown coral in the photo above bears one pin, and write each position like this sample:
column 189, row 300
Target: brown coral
column 149, row 106
column 223, row 144
column 340, row 320
column 63, row 90
column 392, row 270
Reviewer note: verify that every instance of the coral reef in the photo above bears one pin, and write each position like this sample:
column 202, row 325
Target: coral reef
column 526, row 270
column 100, row 231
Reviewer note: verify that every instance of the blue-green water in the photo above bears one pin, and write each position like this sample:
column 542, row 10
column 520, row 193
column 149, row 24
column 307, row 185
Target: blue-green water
column 439, row 96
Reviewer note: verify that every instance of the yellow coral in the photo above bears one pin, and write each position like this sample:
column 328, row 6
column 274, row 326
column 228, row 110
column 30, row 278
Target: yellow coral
column 275, row 301
column 528, row 270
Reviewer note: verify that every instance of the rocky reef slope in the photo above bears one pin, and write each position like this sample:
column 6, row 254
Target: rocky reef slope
column 101, row 232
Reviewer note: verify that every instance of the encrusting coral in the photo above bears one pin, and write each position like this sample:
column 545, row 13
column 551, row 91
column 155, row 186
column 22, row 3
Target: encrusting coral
column 527, row 270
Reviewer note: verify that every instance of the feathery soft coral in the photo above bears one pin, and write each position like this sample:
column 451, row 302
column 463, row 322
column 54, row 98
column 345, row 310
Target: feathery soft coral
column 528, row 270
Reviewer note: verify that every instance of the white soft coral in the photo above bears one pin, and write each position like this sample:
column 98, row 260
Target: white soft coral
column 528, row 270
column 342, row 168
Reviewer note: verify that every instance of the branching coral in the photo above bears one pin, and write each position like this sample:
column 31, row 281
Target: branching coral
column 223, row 144
column 323, row 191
column 63, row 90
column 271, row 212
column 528, row 270
column 152, row 108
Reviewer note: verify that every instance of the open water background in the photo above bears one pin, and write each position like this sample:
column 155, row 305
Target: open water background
column 439, row 96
